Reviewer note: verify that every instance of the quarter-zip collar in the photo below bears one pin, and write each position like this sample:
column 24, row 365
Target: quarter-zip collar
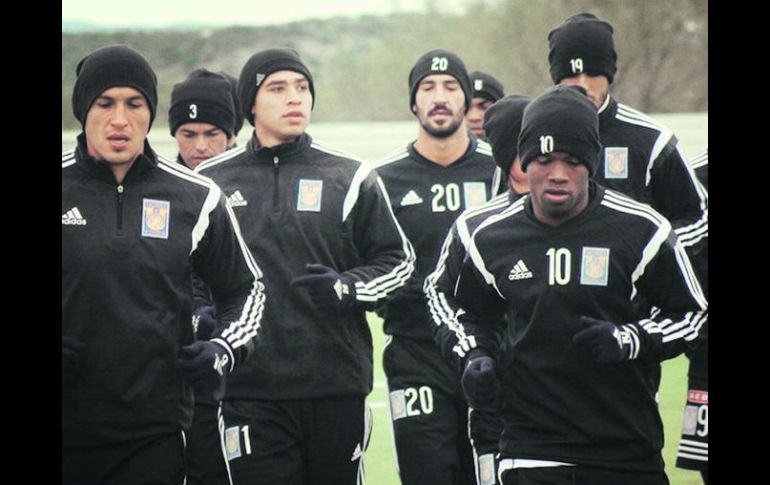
column 282, row 151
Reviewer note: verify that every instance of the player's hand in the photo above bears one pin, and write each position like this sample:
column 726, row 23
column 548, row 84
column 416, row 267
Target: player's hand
column 480, row 383
column 608, row 343
column 328, row 289
column 205, row 365
column 204, row 322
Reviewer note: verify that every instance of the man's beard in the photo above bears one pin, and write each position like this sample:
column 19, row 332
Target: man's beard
column 444, row 131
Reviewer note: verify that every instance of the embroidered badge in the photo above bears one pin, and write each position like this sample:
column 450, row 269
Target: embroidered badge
column 616, row 162
column 156, row 217
column 397, row 405
column 309, row 196
column 594, row 266
column 233, row 443
column 475, row 194
column 487, row 469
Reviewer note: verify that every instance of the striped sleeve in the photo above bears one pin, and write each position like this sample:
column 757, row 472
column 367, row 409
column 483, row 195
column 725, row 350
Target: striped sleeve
column 445, row 312
column 665, row 277
column 387, row 256
column 674, row 189
column 221, row 258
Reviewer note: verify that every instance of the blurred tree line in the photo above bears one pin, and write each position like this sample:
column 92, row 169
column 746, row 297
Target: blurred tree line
column 361, row 65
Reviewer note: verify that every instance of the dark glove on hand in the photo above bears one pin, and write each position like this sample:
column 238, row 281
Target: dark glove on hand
column 607, row 342
column 480, row 382
column 328, row 289
column 71, row 348
column 205, row 365
column 204, row 322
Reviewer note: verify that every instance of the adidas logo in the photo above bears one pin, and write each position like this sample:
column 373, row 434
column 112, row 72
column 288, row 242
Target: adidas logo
column 357, row 453
column 411, row 198
column 519, row 272
column 237, row 200
column 73, row 218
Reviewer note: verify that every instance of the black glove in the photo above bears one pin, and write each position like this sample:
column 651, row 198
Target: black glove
column 607, row 342
column 205, row 364
column 480, row 382
column 71, row 348
column 204, row 322
column 328, row 289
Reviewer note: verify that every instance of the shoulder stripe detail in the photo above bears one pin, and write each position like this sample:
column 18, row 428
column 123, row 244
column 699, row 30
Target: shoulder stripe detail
column 700, row 160
column 636, row 117
column 399, row 155
column 497, row 203
column 475, row 255
column 67, row 163
column 334, row 151
column 351, row 197
column 622, row 203
column 185, row 173
column 222, row 157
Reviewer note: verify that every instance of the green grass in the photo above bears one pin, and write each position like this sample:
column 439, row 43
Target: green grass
column 380, row 464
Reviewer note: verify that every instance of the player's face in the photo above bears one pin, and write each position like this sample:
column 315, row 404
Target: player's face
column 282, row 108
column 596, row 87
column 199, row 141
column 558, row 185
column 440, row 105
column 117, row 125
column 475, row 117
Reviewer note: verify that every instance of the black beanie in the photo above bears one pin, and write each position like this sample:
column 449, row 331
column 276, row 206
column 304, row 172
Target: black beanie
column 582, row 43
column 439, row 61
column 502, row 123
column 114, row 65
column 204, row 97
column 486, row 86
column 236, row 101
column 561, row 119
column 261, row 65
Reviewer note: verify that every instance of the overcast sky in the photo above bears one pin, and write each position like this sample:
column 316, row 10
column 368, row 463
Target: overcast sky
column 154, row 13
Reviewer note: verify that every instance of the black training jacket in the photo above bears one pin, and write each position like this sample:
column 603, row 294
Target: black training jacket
column 128, row 252
column 300, row 203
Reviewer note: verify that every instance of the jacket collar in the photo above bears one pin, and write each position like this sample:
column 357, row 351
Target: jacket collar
column 417, row 156
column 284, row 150
column 146, row 161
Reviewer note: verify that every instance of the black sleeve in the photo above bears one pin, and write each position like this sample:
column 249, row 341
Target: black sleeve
column 223, row 262
column 679, row 310
column 388, row 257
column 465, row 314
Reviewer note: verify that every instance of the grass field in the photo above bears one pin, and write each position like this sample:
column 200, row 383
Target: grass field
column 380, row 462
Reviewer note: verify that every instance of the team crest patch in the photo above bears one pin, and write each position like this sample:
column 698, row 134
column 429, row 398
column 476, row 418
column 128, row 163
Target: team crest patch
column 594, row 266
column 309, row 197
column 616, row 163
column 156, row 216
column 487, row 469
column 478, row 84
column 397, row 405
column 475, row 194
column 690, row 421
column 233, row 443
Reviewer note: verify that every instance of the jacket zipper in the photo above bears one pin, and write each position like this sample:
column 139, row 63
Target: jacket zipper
column 120, row 209
column 276, row 200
